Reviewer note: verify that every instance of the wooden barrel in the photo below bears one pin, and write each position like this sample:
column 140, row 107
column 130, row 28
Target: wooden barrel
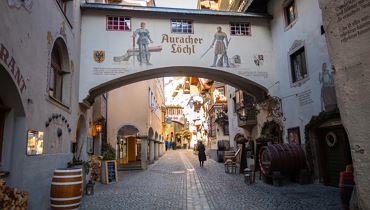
column 289, row 159
column 346, row 184
column 66, row 189
column 220, row 145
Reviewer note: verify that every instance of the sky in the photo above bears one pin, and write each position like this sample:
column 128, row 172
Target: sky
column 188, row 4
column 184, row 100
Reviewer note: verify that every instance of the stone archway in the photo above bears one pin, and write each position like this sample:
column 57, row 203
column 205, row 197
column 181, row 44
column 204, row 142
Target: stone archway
column 229, row 78
column 13, row 128
column 80, row 151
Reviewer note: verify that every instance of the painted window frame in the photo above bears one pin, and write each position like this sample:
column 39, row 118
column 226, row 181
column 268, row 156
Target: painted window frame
column 119, row 20
column 181, row 21
column 297, row 46
column 248, row 32
column 287, row 3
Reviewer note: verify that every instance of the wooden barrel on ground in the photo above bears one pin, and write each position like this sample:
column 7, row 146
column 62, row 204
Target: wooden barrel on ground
column 289, row 159
column 346, row 184
column 66, row 189
column 220, row 145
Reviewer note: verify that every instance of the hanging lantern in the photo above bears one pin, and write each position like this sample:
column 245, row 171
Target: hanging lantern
column 98, row 127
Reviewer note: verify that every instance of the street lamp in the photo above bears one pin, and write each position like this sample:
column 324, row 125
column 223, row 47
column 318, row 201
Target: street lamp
column 98, row 127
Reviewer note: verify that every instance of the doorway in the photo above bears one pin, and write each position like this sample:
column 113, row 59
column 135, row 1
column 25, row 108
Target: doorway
column 128, row 147
column 335, row 152
column 3, row 111
column 122, row 150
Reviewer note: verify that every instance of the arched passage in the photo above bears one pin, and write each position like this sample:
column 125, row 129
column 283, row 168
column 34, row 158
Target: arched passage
column 128, row 146
column 13, row 127
column 259, row 91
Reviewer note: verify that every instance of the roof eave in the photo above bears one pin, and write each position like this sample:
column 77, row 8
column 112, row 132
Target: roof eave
column 162, row 10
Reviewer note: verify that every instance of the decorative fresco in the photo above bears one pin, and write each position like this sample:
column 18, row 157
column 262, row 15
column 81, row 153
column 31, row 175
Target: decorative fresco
column 145, row 44
column 99, row 56
column 328, row 96
column 142, row 48
column 27, row 4
column 258, row 60
column 142, row 52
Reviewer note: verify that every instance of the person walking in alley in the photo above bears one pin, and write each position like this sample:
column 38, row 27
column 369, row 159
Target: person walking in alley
column 167, row 145
column 201, row 153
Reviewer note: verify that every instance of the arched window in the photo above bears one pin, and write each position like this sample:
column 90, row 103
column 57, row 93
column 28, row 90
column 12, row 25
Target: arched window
column 59, row 68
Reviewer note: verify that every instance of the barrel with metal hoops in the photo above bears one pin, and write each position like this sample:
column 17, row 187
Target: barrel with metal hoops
column 289, row 159
column 66, row 189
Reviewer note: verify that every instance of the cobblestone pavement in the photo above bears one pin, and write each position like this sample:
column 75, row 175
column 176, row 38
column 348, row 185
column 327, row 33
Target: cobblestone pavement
column 177, row 182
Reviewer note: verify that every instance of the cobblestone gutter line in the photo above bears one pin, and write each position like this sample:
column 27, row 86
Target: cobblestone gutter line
column 195, row 196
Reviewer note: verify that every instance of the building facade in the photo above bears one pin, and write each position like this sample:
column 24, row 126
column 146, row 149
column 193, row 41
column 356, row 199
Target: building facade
column 285, row 56
column 39, row 74
column 132, row 111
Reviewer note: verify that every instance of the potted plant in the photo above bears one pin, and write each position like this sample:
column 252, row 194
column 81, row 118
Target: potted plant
column 76, row 163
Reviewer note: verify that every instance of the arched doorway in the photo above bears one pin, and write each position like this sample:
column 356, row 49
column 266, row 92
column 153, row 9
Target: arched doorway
column 13, row 129
column 128, row 145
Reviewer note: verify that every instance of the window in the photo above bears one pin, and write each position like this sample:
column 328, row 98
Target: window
column 298, row 65
column 182, row 26
column 290, row 12
column 118, row 23
column 56, row 83
column 59, row 80
column 35, row 142
column 294, row 136
column 240, row 29
column 67, row 8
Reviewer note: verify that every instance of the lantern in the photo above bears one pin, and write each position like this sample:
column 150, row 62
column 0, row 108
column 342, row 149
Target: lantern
column 98, row 127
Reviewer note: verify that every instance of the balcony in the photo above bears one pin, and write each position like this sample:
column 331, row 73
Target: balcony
column 249, row 120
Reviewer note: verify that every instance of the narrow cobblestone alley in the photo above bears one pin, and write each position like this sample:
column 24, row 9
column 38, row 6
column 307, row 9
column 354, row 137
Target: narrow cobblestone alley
column 177, row 182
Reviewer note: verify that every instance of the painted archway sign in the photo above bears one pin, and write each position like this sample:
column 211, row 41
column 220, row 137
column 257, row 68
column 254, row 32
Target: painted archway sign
column 148, row 44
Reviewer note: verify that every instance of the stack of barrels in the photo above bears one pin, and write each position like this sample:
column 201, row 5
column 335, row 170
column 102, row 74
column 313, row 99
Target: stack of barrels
column 288, row 159
column 66, row 189
column 346, row 183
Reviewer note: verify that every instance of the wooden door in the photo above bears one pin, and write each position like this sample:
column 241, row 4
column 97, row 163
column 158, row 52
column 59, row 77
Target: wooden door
column 122, row 151
column 336, row 153
column 131, row 147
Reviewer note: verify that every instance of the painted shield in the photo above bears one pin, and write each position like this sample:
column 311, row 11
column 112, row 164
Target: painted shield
column 99, row 56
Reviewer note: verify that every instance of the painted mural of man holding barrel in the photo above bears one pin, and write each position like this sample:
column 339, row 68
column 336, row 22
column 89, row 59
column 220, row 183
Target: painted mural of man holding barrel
column 143, row 42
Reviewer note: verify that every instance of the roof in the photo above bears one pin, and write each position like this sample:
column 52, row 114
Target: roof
column 164, row 10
